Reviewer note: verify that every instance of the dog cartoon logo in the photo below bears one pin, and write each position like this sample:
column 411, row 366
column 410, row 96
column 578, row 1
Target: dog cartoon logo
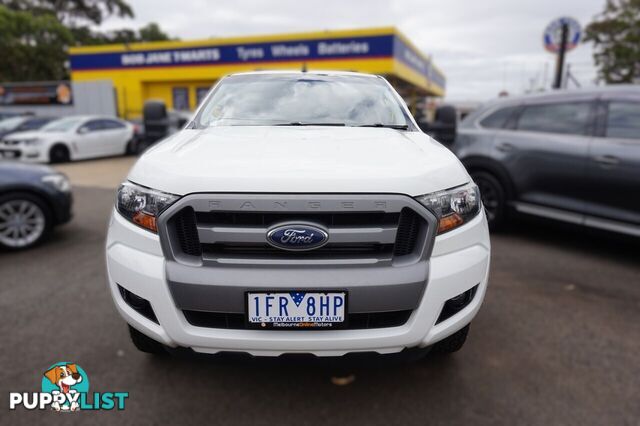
column 64, row 381
column 65, row 389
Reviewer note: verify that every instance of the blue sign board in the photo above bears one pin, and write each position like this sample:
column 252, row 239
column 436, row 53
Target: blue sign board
column 379, row 46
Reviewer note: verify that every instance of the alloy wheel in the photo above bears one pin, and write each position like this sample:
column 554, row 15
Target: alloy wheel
column 22, row 223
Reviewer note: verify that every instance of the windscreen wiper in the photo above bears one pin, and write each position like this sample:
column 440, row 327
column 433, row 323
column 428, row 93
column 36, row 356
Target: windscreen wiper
column 301, row 123
column 389, row 126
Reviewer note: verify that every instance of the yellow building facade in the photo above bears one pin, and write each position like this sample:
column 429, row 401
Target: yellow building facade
column 180, row 73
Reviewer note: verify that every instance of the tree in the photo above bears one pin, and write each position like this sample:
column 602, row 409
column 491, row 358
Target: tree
column 616, row 37
column 73, row 13
column 150, row 32
column 34, row 34
column 32, row 47
column 79, row 16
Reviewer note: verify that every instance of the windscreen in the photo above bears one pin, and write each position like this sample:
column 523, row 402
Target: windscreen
column 301, row 99
column 11, row 123
column 63, row 124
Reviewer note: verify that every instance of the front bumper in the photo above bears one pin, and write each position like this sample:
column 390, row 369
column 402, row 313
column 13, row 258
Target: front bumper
column 23, row 153
column 63, row 207
column 459, row 262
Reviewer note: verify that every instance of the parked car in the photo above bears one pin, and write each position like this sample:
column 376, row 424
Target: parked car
column 572, row 156
column 71, row 138
column 295, row 202
column 22, row 123
column 7, row 114
column 33, row 199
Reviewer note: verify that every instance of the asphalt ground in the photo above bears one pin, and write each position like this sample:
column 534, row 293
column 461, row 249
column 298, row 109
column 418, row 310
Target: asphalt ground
column 557, row 341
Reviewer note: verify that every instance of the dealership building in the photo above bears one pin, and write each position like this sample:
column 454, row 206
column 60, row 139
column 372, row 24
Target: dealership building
column 181, row 72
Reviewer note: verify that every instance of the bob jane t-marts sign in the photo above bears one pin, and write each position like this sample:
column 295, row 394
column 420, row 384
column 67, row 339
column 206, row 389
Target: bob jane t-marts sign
column 45, row 93
column 211, row 53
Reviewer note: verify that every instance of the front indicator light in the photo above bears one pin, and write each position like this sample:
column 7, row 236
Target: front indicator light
column 453, row 207
column 146, row 221
column 449, row 222
column 141, row 205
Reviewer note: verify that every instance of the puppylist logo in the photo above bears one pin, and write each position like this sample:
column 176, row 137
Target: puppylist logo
column 65, row 388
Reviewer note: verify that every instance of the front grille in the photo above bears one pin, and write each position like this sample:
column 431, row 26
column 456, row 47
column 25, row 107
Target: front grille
column 355, row 321
column 407, row 235
column 265, row 250
column 10, row 153
column 362, row 229
column 184, row 224
column 268, row 219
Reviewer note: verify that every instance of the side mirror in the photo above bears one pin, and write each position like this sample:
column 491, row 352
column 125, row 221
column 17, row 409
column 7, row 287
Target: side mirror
column 82, row 130
column 443, row 127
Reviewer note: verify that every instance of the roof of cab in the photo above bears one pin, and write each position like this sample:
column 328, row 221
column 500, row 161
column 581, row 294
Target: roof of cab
column 313, row 72
column 625, row 90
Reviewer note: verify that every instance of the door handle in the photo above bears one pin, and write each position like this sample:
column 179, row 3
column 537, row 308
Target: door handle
column 607, row 160
column 504, row 147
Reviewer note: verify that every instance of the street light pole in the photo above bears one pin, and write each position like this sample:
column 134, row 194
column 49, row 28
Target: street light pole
column 557, row 84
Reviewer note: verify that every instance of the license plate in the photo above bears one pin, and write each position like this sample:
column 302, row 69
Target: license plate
column 296, row 309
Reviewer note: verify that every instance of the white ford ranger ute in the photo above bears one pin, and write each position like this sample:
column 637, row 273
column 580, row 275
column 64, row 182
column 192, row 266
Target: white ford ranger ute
column 298, row 212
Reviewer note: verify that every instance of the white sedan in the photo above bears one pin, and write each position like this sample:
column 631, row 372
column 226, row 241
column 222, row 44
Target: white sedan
column 70, row 138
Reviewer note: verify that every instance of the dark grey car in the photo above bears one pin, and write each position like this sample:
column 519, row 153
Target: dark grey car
column 33, row 199
column 568, row 155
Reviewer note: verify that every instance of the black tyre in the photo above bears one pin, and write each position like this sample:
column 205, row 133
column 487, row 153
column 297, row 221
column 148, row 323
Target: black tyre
column 59, row 154
column 131, row 147
column 493, row 197
column 451, row 344
column 146, row 344
column 25, row 220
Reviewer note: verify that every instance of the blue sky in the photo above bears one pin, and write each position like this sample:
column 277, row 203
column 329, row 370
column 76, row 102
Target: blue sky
column 483, row 46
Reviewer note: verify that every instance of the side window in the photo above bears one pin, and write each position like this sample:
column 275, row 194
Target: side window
column 498, row 119
column 112, row 124
column 29, row 125
column 623, row 120
column 565, row 118
column 93, row 125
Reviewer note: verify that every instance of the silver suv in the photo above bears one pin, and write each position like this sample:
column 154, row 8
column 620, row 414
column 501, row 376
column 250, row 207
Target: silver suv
column 572, row 156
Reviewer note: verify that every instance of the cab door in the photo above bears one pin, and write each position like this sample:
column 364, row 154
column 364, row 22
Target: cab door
column 87, row 142
column 545, row 152
column 614, row 162
column 115, row 135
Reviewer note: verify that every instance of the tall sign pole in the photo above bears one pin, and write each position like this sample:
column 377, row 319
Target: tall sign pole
column 557, row 82
column 561, row 36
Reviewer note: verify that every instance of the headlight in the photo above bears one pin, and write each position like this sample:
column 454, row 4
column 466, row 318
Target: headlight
column 453, row 207
column 31, row 142
column 141, row 205
column 58, row 181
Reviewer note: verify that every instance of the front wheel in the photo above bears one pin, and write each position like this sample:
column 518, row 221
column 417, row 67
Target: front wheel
column 451, row 344
column 59, row 154
column 131, row 148
column 146, row 344
column 25, row 220
column 493, row 198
